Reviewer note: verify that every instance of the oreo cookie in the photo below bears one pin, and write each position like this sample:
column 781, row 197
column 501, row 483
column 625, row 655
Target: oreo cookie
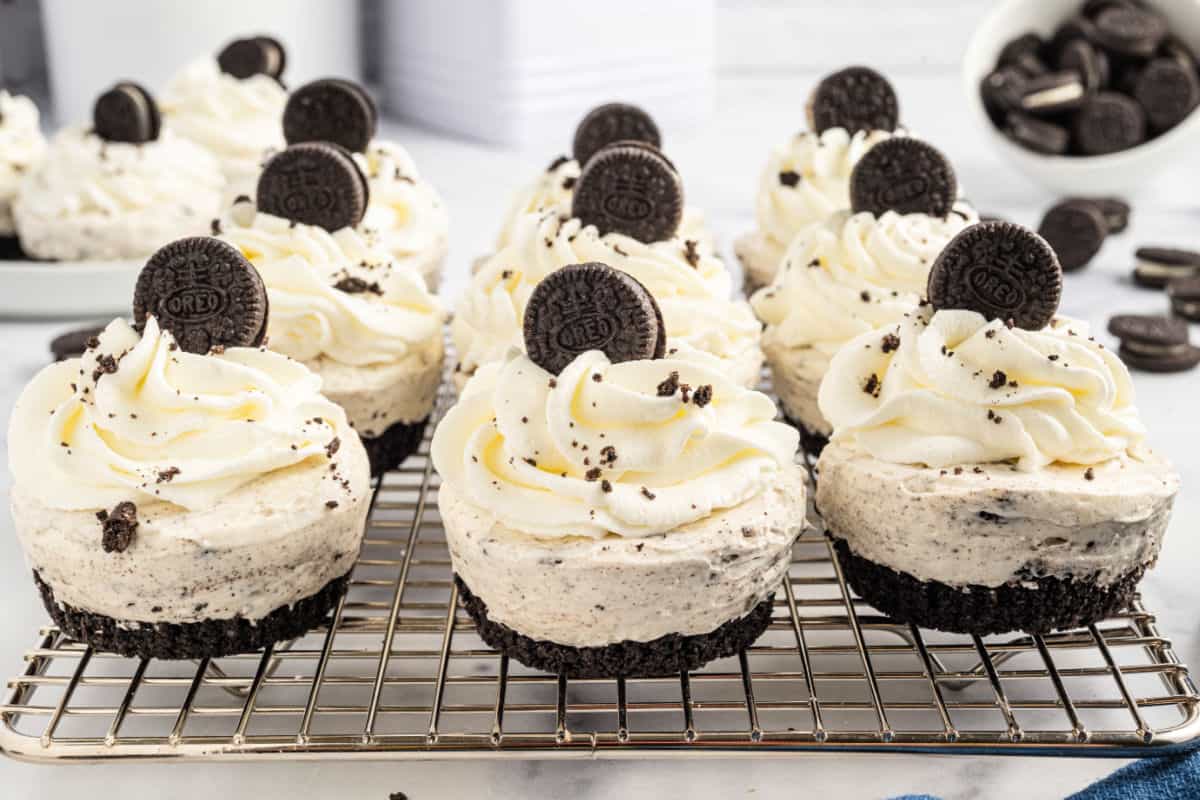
column 1114, row 210
column 1053, row 93
column 1001, row 270
column 126, row 113
column 1155, row 267
column 591, row 306
column 330, row 110
column 1024, row 53
column 257, row 55
column 1128, row 30
column 1076, row 231
column 1154, row 343
column 1185, row 297
column 1091, row 65
column 1108, row 123
column 1076, row 28
column 1001, row 91
column 904, row 175
column 613, row 122
column 205, row 292
column 314, row 183
column 630, row 189
column 1037, row 134
column 855, row 98
column 1168, row 91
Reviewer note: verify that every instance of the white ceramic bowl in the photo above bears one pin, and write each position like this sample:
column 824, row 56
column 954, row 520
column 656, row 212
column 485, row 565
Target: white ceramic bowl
column 1116, row 172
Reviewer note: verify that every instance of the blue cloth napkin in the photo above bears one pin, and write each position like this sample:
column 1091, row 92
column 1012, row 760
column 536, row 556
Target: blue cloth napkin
column 1169, row 778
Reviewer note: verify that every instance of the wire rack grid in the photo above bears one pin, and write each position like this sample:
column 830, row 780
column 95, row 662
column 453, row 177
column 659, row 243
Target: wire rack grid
column 399, row 671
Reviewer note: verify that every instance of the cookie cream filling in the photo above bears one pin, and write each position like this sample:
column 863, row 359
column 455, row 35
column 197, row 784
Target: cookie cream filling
column 851, row 274
column 92, row 199
column 554, row 190
column 803, row 182
column 405, row 214
column 21, row 148
column 237, row 120
column 692, row 288
column 350, row 312
column 633, row 449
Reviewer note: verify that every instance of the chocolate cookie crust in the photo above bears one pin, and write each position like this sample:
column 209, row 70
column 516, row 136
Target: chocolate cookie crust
column 666, row 655
column 389, row 449
column 1055, row 604
column 210, row 638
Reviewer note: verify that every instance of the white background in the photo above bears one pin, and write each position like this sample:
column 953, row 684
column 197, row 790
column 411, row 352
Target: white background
column 769, row 52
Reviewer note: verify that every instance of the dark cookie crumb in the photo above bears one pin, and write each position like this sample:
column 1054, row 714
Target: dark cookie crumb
column 334, row 445
column 703, row 395
column 691, row 252
column 999, row 379
column 872, row 385
column 593, row 474
column 669, row 386
column 1089, row 474
column 605, row 486
column 789, row 178
column 608, row 455
column 167, row 475
column 649, row 495
column 331, row 503
column 352, row 285
column 118, row 527
column 105, row 365
column 890, row 343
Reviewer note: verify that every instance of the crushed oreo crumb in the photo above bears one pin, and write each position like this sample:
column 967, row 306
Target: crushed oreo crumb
column 105, row 365
column 331, row 503
column 890, row 342
column 669, row 386
column 592, row 474
column 646, row 493
column 608, row 455
column 872, row 385
column 118, row 526
column 605, row 486
column 352, row 285
column 999, row 379
column 789, row 178
column 703, row 395
column 167, row 475
column 1089, row 474
column 333, row 446
column 691, row 252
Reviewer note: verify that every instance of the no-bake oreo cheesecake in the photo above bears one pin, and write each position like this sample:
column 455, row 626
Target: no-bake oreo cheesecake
column 405, row 215
column 639, row 237
column 554, row 189
column 180, row 491
column 343, row 306
column 860, row 270
column 807, row 179
column 118, row 189
column 232, row 106
column 21, row 148
column 987, row 470
column 609, row 511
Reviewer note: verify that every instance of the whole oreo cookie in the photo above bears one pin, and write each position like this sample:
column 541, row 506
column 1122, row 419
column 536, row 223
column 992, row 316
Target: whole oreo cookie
column 1087, row 62
column 1075, row 230
column 315, row 183
column 591, row 306
column 904, row 175
column 630, row 189
column 257, row 55
column 126, row 113
column 855, row 98
column 1128, row 30
column 1154, row 343
column 1109, row 122
column 1024, row 53
column 1037, row 134
column 205, row 292
column 1001, row 91
column 1001, row 270
column 330, row 110
column 613, row 122
column 1168, row 90
column 1185, row 297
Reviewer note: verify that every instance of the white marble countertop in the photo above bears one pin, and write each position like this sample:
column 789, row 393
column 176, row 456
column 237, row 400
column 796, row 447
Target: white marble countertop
column 720, row 165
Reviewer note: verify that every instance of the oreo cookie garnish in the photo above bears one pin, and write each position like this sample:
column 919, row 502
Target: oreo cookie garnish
column 904, row 175
column 257, row 55
column 613, row 122
column 1001, row 270
column 315, row 183
column 126, row 113
column 330, row 110
column 1108, row 123
column 1076, row 230
column 1154, row 343
column 630, row 189
column 855, row 98
column 1168, row 90
column 118, row 527
column 205, row 292
column 1037, row 134
column 591, row 306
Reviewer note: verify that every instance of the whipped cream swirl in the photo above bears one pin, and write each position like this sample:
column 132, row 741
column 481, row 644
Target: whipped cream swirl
column 336, row 294
column 21, row 148
column 236, row 119
column 98, row 199
column 554, row 190
column 808, row 179
column 852, row 274
column 405, row 213
column 950, row 388
column 137, row 418
column 608, row 448
column 691, row 285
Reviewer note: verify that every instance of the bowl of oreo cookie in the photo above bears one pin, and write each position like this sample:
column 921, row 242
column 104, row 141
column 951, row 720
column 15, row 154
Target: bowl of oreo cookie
column 1087, row 96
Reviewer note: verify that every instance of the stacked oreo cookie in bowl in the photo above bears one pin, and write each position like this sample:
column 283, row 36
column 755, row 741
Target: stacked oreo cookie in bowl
column 860, row 270
column 584, row 479
column 627, row 210
column 341, row 304
column 179, row 490
column 987, row 470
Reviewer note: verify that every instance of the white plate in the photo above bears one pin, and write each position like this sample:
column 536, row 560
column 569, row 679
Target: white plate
column 67, row 289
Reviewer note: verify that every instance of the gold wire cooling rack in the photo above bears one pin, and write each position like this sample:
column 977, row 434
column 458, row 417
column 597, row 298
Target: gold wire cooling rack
column 399, row 672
